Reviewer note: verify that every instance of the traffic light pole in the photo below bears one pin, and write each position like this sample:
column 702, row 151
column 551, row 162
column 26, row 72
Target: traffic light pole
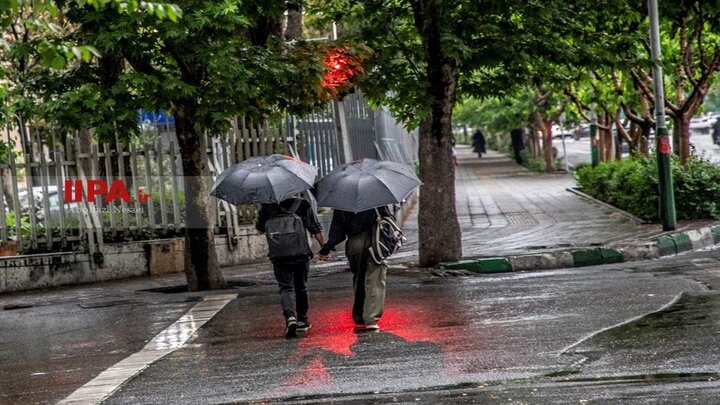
column 667, row 196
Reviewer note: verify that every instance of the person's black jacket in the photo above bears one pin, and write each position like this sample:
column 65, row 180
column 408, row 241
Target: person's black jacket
column 345, row 224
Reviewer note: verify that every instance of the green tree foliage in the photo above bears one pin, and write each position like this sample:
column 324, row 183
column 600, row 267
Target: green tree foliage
column 430, row 54
column 221, row 59
column 35, row 36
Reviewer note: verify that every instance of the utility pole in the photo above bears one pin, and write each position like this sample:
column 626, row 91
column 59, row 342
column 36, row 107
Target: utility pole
column 667, row 196
column 594, row 141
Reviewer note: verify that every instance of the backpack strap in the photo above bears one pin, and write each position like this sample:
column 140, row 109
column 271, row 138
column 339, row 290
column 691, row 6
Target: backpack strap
column 295, row 205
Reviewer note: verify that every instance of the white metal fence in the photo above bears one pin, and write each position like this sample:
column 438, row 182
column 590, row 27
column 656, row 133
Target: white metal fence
column 36, row 216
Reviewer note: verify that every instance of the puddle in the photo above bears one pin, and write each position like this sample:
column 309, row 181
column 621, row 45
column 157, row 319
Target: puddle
column 183, row 288
column 10, row 307
column 658, row 377
column 106, row 304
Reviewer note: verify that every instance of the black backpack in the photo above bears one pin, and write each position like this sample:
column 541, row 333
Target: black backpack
column 387, row 238
column 285, row 233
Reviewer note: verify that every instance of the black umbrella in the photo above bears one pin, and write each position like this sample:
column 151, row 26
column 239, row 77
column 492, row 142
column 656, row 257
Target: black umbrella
column 264, row 179
column 365, row 184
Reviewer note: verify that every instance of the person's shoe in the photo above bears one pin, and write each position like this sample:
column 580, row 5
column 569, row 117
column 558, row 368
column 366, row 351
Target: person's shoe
column 367, row 328
column 291, row 327
column 303, row 326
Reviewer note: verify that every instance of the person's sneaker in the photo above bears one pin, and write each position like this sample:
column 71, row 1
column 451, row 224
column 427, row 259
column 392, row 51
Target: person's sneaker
column 291, row 327
column 367, row 328
column 303, row 326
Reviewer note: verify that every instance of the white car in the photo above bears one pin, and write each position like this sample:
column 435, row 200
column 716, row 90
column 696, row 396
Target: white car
column 702, row 121
column 558, row 132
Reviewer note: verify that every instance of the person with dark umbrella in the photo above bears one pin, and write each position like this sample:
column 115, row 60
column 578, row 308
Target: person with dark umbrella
column 360, row 192
column 479, row 143
column 274, row 181
column 518, row 144
column 291, row 272
column 368, row 276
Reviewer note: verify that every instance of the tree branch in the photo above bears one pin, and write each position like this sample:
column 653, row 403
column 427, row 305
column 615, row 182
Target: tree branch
column 406, row 54
column 620, row 127
column 578, row 103
column 686, row 55
column 698, row 93
column 141, row 65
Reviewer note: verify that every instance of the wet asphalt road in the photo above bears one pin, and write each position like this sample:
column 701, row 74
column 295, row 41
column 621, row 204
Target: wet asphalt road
column 631, row 333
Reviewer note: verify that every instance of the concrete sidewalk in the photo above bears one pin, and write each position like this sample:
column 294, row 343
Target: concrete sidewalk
column 530, row 221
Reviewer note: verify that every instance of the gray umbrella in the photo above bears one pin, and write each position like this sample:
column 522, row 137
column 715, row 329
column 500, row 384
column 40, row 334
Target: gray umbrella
column 365, row 184
column 264, row 179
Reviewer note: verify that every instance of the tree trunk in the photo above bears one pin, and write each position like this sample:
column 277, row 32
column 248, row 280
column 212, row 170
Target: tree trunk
column 85, row 139
column 438, row 227
column 541, row 127
column 682, row 132
column 293, row 26
column 201, row 263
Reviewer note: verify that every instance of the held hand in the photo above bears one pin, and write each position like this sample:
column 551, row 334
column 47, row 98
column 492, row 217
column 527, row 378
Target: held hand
column 323, row 258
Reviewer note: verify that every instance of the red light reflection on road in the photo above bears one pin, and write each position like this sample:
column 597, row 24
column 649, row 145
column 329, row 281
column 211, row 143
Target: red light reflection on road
column 312, row 374
column 438, row 321
column 332, row 331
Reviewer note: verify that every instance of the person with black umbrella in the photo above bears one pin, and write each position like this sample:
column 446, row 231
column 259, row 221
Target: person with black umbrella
column 291, row 266
column 274, row 181
column 368, row 276
column 360, row 192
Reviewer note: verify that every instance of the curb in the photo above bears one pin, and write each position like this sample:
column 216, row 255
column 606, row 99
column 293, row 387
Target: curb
column 665, row 245
column 592, row 199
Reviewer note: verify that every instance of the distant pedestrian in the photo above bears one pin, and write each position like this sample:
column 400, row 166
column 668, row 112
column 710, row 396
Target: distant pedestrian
column 518, row 144
column 290, row 255
column 716, row 132
column 479, row 143
column 368, row 276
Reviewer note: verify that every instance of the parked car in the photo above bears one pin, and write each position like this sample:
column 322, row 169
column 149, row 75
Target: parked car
column 559, row 133
column 702, row 122
column 39, row 208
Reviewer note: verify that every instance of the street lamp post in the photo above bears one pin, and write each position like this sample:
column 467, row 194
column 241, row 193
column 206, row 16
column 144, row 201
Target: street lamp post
column 667, row 197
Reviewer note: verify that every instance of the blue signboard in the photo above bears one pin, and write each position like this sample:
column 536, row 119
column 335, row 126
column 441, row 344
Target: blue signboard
column 160, row 117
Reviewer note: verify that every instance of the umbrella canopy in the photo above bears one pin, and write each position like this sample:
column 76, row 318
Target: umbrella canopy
column 264, row 179
column 365, row 184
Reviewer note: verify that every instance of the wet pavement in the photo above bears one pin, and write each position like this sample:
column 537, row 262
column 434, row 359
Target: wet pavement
column 541, row 337
column 626, row 333
column 641, row 332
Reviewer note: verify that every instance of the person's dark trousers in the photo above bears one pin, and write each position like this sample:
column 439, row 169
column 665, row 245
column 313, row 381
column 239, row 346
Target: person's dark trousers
column 368, row 280
column 291, row 278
